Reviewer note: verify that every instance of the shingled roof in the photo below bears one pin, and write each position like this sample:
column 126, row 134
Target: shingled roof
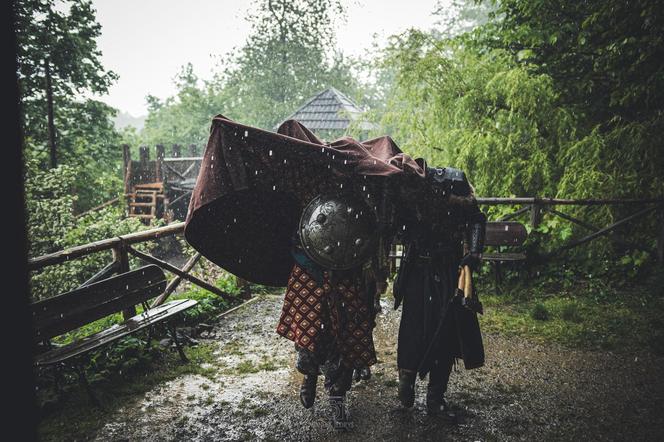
column 329, row 110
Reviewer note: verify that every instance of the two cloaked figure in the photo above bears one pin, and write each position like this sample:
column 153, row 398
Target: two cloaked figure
column 245, row 215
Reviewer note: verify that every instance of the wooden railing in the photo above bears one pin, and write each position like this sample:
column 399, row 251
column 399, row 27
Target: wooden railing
column 538, row 207
column 121, row 246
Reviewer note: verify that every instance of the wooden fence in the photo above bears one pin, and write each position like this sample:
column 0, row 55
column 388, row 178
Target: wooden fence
column 536, row 208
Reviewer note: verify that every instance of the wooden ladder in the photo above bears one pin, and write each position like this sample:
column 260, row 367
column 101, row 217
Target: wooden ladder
column 143, row 201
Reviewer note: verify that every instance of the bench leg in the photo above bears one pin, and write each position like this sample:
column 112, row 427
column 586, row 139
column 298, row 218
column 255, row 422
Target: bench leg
column 84, row 383
column 57, row 379
column 497, row 277
column 173, row 332
column 148, row 345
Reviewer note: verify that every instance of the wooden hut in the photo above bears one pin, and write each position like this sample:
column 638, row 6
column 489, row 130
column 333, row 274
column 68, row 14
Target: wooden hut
column 330, row 114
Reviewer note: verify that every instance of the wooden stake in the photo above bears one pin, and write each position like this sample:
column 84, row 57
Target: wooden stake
column 176, row 281
column 171, row 268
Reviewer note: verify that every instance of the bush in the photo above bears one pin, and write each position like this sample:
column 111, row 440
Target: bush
column 570, row 312
column 539, row 312
column 52, row 226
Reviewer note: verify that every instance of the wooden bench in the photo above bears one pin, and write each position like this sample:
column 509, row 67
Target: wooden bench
column 66, row 312
column 502, row 234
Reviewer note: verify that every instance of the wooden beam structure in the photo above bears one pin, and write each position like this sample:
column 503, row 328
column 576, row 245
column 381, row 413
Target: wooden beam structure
column 104, row 244
column 172, row 285
column 493, row 201
column 171, row 268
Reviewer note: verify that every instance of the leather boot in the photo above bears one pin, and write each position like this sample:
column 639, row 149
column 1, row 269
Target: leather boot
column 308, row 390
column 436, row 403
column 363, row 374
column 341, row 419
column 407, row 387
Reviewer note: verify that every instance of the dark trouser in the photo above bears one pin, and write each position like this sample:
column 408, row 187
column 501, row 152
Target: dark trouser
column 338, row 377
column 444, row 353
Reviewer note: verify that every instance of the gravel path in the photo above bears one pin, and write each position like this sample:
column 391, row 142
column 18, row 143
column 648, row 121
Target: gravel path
column 526, row 391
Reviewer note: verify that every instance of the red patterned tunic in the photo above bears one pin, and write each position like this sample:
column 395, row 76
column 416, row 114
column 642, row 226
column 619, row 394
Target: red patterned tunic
column 308, row 309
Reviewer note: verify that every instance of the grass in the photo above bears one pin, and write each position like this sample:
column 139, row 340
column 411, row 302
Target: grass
column 589, row 315
column 245, row 367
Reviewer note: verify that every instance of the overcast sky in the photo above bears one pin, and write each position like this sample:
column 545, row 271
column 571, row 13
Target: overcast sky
column 146, row 42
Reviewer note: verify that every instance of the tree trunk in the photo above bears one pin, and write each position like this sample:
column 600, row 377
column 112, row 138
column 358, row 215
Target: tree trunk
column 51, row 123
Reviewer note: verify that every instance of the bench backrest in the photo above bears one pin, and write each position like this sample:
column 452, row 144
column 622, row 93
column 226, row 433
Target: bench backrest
column 68, row 311
column 505, row 233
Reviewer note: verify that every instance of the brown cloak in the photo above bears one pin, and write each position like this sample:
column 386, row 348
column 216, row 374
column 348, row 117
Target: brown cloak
column 253, row 185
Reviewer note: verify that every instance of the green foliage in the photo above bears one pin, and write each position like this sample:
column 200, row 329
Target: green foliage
column 458, row 17
column 539, row 312
column 62, row 35
column 209, row 304
column 75, row 419
column 289, row 56
column 52, row 226
column 586, row 313
column 536, row 102
column 184, row 118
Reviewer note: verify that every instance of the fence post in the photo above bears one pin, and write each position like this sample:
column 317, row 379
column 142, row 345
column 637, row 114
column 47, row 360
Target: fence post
column 126, row 161
column 122, row 257
column 144, row 156
column 177, row 151
column 660, row 238
column 243, row 285
column 192, row 150
column 535, row 213
column 161, row 153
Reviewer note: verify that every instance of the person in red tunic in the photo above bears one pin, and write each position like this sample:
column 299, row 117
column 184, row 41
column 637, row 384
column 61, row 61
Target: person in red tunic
column 330, row 316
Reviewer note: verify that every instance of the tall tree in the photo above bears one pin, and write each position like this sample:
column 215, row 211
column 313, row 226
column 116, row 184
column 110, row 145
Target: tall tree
column 605, row 57
column 58, row 61
column 289, row 56
column 460, row 16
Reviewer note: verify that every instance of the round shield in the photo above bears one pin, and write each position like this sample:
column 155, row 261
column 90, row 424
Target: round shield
column 338, row 232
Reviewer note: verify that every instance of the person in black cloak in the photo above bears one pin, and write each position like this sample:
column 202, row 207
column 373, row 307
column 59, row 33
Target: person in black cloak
column 435, row 328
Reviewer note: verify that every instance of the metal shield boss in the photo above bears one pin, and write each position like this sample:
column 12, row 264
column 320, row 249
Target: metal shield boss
column 338, row 232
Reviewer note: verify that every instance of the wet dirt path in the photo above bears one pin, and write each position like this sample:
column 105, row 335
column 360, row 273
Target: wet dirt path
column 526, row 391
